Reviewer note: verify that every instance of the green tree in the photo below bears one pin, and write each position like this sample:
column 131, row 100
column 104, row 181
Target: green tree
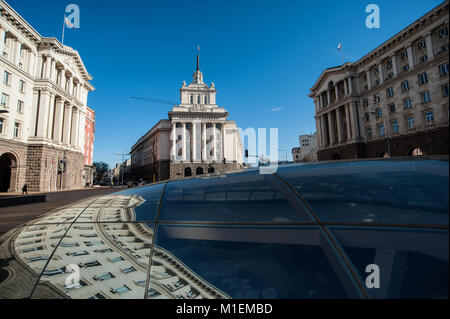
column 101, row 168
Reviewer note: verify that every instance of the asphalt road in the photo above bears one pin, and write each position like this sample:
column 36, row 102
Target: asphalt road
column 13, row 216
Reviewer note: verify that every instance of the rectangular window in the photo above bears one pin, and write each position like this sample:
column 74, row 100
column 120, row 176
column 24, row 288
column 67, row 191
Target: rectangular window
column 121, row 290
column 406, row 67
column 405, row 85
column 381, row 130
column 407, row 103
column 395, row 126
column 423, row 78
column 424, row 58
column 5, row 100
column 7, row 77
column 422, row 44
column 443, row 69
column 19, row 106
column 104, row 277
column 410, row 122
column 376, row 98
column 379, row 112
column 2, row 125
column 365, row 102
column 21, row 86
column 391, row 108
column 429, row 117
column 16, row 129
column 390, row 92
column 445, row 90
column 443, row 32
column 367, row 116
column 444, row 48
column 369, row 133
column 425, row 97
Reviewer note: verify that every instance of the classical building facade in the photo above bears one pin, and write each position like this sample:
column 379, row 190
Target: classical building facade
column 196, row 139
column 43, row 105
column 307, row 152
column 391, row 102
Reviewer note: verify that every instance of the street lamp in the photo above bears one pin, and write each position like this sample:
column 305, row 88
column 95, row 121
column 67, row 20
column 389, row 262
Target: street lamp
column 385, row 122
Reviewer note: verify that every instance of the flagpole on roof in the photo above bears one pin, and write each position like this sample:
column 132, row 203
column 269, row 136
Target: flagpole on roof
column 64, row 26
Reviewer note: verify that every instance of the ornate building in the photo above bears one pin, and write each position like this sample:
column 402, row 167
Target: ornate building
column 391, row 102
column 197, row 138
column 89, row 133
column 42, row 110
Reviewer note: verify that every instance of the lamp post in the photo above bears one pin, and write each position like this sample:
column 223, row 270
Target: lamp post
column 385, row 122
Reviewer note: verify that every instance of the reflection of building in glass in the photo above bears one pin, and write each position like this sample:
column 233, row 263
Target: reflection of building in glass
column 113, row 256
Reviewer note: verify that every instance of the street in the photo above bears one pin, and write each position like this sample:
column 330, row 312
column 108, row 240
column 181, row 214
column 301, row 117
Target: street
column 13, row 216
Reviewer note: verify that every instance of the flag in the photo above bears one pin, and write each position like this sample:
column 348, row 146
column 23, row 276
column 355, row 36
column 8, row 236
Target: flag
column 198, row 48
column 69, row 25
column 339, row 46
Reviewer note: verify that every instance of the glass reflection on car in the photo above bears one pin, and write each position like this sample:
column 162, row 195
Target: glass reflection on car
column 396, row 192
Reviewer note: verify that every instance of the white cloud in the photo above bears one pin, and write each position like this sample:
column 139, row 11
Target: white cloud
column 276, row 109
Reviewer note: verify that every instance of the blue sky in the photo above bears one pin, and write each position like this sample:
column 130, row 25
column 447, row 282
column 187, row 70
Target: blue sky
column 263, row 56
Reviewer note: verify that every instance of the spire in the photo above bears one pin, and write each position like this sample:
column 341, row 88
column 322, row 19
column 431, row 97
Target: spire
column 198, row 62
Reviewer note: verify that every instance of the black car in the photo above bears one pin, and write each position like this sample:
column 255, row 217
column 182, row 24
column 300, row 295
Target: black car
column 346, row 229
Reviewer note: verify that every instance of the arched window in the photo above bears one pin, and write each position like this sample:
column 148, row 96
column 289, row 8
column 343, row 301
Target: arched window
column 187, row 172
column 210, row 169
column 199, row 171
column 192, row 99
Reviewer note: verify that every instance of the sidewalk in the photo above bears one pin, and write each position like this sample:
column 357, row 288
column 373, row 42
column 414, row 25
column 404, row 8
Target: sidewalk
column 13, row 216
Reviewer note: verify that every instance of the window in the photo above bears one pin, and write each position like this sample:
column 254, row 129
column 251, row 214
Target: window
column 369, row 133
column 21, row 86
column 376, row 98
column 422, row 44
column 404, row 55
column 429, row 117
column 395, row 127
column 115, row 259
column 445, row 90
column 443, row 32
column 390, row 92
column 405, row 85
column 406, row 67
column 389, row 64
column 443, row 69
column 379, row 112
column 121, row 290
column 444, row 48
column 128, row 270
column 206, row 99
column 391, row 108
column 411, row 122
column 424, row 58
column 381, row 129
column 365, row 102
column 5, row 100
column 425, row 97
column 423, row 78
column 104, row 277
column 2, row 125
column 19, row 106
column 198, row 99
column 407, row 103
column 7, row 78
column 16, row 132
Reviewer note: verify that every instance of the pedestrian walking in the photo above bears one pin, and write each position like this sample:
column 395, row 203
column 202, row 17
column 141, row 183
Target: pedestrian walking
column 25, row 189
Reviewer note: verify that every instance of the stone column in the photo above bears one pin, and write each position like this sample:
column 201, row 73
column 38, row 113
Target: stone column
column 354, row 120
column 75, row 125
column 184, row 142
column 410, row 52
column 48, row 66
column 63, row 79
column 2, row 40
column 350, row 86
column 324, row 130
column 78, row 90
column 17, row 52
column 43, row 114
column 331, row 128
column 320, row 101
column 328, row 97
column 346, row 87
column 50, row 116
column 59, row 113
column 340, row 126
column 336, row 92
column 174, row 141
column 347, row 119
column 53, row 71
column 70, row 89
column 319, row 131
column 394, row 65
column 204, row 157
column 215, row 142
column 381, row 72
column 222, row 135
column 67, row 123
column 430, row 46
column 369, row 80
column 194, row 142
